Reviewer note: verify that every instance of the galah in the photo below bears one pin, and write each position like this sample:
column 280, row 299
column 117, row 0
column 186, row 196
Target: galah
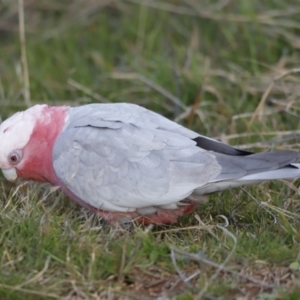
column 125, row 162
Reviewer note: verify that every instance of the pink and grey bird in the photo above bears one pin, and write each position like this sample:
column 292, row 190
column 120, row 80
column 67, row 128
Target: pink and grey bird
column 125, row 162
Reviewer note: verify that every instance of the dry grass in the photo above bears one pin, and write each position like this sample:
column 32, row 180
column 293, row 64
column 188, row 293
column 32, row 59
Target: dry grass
column 227, row 69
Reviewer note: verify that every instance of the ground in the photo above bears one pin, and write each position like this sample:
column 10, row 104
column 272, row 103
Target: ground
column 227, row 69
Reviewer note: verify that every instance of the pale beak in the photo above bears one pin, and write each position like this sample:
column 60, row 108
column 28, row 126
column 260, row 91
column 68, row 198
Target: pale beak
column 10, row 174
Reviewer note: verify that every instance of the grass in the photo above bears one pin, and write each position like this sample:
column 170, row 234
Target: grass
column 209, row 65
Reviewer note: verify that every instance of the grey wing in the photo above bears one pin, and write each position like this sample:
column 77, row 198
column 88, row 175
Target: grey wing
column 120, row 157
column 114, row 115
column 124, row 167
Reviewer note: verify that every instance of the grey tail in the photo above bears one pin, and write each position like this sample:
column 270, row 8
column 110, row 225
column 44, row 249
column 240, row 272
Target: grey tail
column 253, row 168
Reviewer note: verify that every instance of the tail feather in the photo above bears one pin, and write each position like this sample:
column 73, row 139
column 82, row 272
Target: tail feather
column 289, row 172
column 236, row 167
column 253, row 168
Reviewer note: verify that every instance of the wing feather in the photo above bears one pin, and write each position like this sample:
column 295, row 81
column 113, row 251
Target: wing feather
column 129, row 163
column 122, row 157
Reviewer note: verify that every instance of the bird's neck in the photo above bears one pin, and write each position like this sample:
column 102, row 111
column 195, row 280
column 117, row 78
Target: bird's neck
column 38, row 162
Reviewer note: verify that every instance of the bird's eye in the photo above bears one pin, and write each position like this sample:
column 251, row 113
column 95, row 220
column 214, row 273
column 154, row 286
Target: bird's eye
column 15, row 157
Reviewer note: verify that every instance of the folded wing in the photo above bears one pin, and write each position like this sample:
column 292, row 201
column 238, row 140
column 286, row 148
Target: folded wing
column 120, row 157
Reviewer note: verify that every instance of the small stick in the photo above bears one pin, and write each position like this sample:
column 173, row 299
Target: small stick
column 259, row 108
column 206, row 261
column 24, row 55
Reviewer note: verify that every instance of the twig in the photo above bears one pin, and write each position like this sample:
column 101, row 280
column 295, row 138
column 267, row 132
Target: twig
column 209, row 229
column 221, row 266
column 197, row 258
column 279, row 210
column 181, row 275
column 24, row 55
column 200, row 93
column 27, row 291
column 260, row 114
column 204, row 227
column 122, row 265
column 291, row 186
column 141, row 26
column 152, row 84
column 38, row 275
column 168, row 7
column 261, row 133
column 259, row 108
column 259, row 204
column 263, row 145
column 16, row 190
column 206, row 14
column 87, row 91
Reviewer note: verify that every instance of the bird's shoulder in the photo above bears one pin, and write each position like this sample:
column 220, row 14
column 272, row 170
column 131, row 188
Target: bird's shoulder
column 115, row 115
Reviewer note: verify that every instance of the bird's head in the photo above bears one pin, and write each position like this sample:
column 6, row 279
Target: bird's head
column 15, row 134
